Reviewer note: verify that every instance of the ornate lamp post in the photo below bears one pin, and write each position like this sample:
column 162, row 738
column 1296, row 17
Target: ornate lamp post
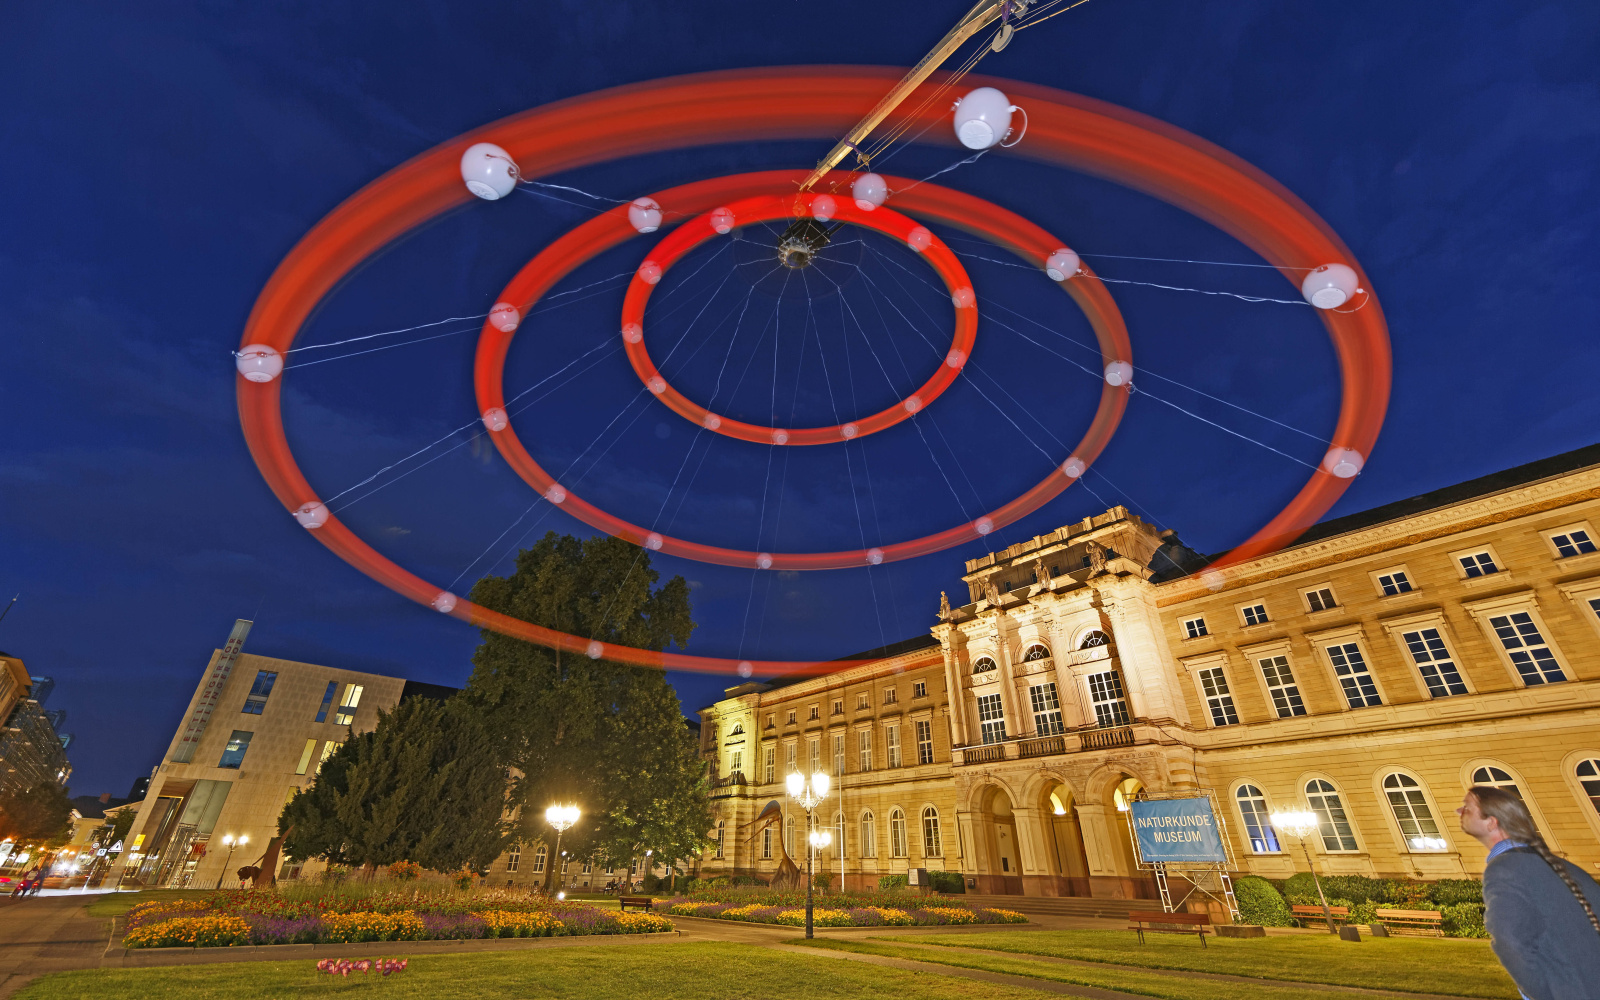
column 231, row 842
column 560, row 817
column 1301, row 825
column 809, row 793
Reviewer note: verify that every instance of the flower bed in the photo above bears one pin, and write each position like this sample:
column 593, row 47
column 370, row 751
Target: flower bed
column 351, row 914
column 876, row 910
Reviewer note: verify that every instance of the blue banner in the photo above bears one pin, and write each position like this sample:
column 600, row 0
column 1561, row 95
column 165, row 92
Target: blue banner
column 1176, row 831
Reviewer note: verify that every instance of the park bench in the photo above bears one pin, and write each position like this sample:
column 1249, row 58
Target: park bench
column 1175, row 923
column 637, row 902
column 1423, row 920
column 1314, row 912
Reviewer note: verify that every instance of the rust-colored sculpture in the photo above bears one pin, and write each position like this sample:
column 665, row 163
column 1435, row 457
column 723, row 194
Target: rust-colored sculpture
column 789, row 875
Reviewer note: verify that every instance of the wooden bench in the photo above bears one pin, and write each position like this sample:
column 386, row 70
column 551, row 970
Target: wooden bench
column 1178, row 923
column 637, row 902
column 1425, row 920
column 1314, row 912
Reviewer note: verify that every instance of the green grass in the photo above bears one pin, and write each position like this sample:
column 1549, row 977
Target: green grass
column 664, row 971
column 1416, row 965
column 115, row 904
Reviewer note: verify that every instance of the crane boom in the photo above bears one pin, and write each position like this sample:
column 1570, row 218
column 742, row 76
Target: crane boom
column 979, row 17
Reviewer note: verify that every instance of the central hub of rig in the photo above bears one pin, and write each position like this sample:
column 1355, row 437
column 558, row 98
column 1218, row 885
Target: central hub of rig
column 802, row 241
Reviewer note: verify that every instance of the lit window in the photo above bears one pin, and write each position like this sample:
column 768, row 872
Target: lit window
column 256, row 702
column 1105, row 693
column 233, row 753
column 838, row 706
column 1494, row 777
column 869, row 836
column 721, row 833
column 1529, row 653
column 736, row 763
column 983, row 665
column 1589, row 778
column 1282, row 687
column 791, row 764
column 1257, row 822
column 814, row 753
column 790, row 720
column 1411, row 812
column 924, row 742
column 813, row 716
column 1093, row 639
column 897, row 834
column 932, row 841
column 788, row 835
column 891, row 740
column 347, row 705
column 1394, row 583
column 861, row 701
column 514, row 858
column 1323, row 798
column 890, row 696
column 1434, row 663
column 1035, row 652
column 772, row 721
column 1320, row 600
column 771, row 765
column 327, row 701
column 919, row 689
column 328, row 750
column 539, row 857
column 1046, row 709
column 1572, row 543
column 991, row 718
column 1478, row 564
column 864, row 749
column 838, row 835
column 1194, row 628
column 1255, row 614
column 1354, row 678
column 838, row 754
column 766, row 842
column 305, row 756
column 1218, row 699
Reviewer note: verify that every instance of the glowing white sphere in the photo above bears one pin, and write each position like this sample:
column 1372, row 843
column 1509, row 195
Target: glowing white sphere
column 983, row 118
column 780, row 437
column 259, row 363
column 504, row 317
column 823, row 207
column 495, row 419
column 763, row 560
column 1061, row 265
column 1074, row 467
column 874, row 555
column 912, row 404
column 869, row 191
column 1342, row 462
column 1330, row 286
column 653, row 542
column 595, row 650
column 956, row 358
column 649, row 272
column 745, row 668
column 656, row 384
column 849, row 431
column 555, row 494
column 445, row 602
column 644, row 215
column 1119, row 373
column 311, row 515
column 1213, row 580
column 984, row 525
column 722, row 220
column 633, row 333
column 489, row 171
column 712, row 422
column 920, row 239
column 963, row 298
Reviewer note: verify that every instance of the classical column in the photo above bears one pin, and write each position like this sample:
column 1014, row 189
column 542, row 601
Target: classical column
column 1146, row 662
column 1032, row 848
column 955, row 692
column 1016, row 720
column 1100, row 831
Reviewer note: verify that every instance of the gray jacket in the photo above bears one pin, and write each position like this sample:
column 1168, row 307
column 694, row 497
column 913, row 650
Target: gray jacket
column 1541, row 935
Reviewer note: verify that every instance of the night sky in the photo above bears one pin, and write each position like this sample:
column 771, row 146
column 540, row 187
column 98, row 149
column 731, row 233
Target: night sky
column 158, row 160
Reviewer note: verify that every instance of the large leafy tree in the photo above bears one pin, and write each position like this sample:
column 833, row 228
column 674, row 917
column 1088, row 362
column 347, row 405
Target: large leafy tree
column 605, row 736
column 42, row 812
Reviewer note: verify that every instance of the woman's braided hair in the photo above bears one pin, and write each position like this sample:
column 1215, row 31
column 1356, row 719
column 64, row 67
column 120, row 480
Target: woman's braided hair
column 1517, row 824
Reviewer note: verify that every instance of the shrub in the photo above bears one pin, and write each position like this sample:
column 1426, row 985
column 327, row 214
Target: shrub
column 892, row 882
column 951, row 882
column 745, row 880
column 405, row 871
column 1452, row 891
column 334, row 874
column 1462, row 920
column 1364, row 913
column 1259, row 902
column 462, row 878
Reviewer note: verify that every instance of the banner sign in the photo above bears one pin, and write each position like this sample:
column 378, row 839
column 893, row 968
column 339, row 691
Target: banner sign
column 1182, row 831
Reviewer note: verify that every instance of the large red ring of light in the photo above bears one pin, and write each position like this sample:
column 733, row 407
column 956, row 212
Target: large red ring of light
column 813, row 103
column 753, row 210
column 987, row 220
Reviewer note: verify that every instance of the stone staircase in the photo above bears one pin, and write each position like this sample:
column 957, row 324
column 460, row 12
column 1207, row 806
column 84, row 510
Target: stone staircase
column 1066, row 906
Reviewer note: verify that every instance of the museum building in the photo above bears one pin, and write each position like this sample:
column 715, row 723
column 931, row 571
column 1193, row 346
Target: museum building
column 1369, row 673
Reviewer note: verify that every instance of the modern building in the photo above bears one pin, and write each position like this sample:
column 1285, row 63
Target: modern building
column 31, row 751
column 1368, row 673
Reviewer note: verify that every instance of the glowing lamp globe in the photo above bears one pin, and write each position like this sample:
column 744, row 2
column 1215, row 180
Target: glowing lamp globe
column 495, row 419
column 983, row 118
column 1342, row 462
column 445, row 602
column 820, row 783
column 259, row 363
column 489, row 171
column 1298, row 825
column 869, row 191
column 649, row 272
column 644, row 215
column 1073, row 467
column 504, row 317
column 1061, row 265
column 823, row 207
column 796, row 783
column 722, row 221
column 920, row 239
column 1119, row 373
column 1330, row 286
column 311, row 515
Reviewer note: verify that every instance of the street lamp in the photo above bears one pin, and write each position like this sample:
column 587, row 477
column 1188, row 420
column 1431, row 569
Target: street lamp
column 231, row 842
column 809, row 793
column 1301, row 825
column 560, row 817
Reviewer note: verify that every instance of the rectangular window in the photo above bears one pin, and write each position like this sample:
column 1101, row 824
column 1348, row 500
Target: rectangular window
column 1594, row 605
column 1394, row 583
column 772, row 721
column 890, row 696
column 347, row 705
column 1478, row 564
column 1194, row 628
column 1354, row 677
column 991, row 718
column 1320, row 600
column 766, row 842
column 924, row 742
column 233, row 753
column 328, row 750
column 814, row 714
column 1572, row 543
column 1105, row 693
column 1257, row 823
column 257, row 700
column 1434, row 663
column 838, row 706
column 838, row 754
column 305, row 757
column 1529, row 653
column 327, row 701
column 919, row 689
column 1282, row 687
column 1046, row 709
column 791, row 717
column 1218, row 698
column 864, row 749
column 737, row 763
column 891, row 740
column 861, row 701
column 814, row 752
column 1255, row 614
column 790, row 753
column 771, row 765
column 514, row 858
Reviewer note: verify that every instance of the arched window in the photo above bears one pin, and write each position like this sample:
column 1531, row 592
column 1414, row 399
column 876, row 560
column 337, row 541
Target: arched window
column 1257, row 822
column 869, row 836
column 1494, row 777
column 897, row 834
column 1589, row 778
column 1323, row 798
column 1093, row 639
column 538, row 859
column 1411, row 811
column 983, row 665
column 720, row 833
column 737, row 730
column 1035, row 652
column 932, row 841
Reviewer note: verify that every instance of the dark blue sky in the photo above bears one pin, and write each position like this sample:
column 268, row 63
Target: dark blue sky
column 158, row 160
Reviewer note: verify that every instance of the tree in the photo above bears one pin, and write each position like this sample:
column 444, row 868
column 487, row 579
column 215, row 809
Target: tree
column 606, row 736
column 40, row 813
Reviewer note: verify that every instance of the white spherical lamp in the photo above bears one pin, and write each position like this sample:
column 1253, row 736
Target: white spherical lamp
column 495, row 419
column 869, row 191
column 445, row 602
column 504, row 317
column 489, row 171
column 983, row 118
column 1061, row 265
column 311, row 515
column 1342, row 462
column 1119, row 373
column 644, row 215
column 1330, row 286
column 259, row 363
column 920, row 239
column 722, row 221
column 823, row 207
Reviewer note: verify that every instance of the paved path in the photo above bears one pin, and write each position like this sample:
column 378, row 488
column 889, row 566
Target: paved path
column 46, row 934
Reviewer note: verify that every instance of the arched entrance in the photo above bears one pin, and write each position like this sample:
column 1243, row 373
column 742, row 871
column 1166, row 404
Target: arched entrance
column 1065, row 857
column 1000, row 849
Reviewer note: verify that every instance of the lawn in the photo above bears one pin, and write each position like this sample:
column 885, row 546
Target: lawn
column 666, row 971
column 1412, row 964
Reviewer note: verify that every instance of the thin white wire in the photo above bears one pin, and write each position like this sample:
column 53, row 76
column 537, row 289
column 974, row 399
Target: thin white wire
column 1202, row 291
